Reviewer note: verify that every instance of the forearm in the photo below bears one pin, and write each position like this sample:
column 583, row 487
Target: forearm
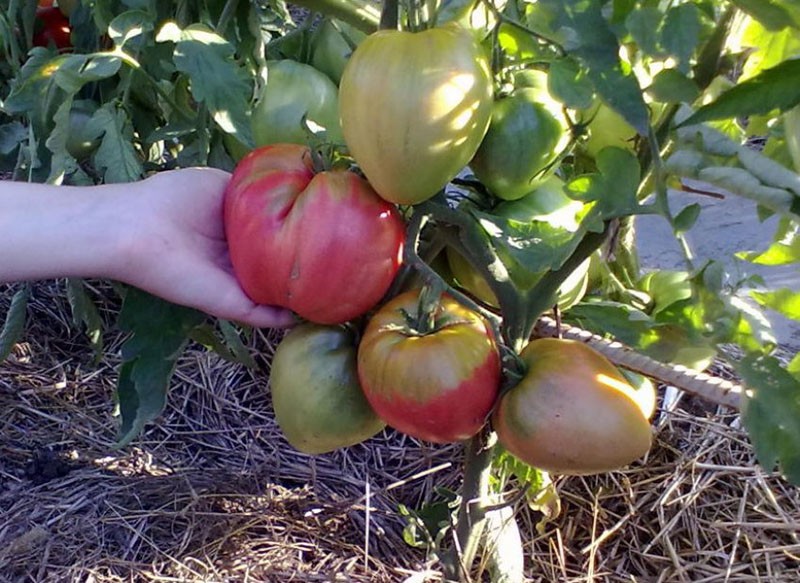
column 59, row 231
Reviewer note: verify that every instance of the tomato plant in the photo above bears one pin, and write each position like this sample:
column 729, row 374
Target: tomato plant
column 573, row 412
column 433, row 376
column 414, row 108
column 526, row 135
column 322, row 244
column 318, row 401
column 294, row 94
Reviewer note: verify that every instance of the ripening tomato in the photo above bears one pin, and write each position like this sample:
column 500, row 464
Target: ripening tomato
column 527, row 133
column 295, row 91
column 51, row 27
column 318, row 402
column 573, row 412
column 322, row 244
column 436, row 382
column 414, row 108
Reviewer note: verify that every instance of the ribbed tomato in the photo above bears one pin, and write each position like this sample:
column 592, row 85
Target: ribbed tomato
column 318, row 402
column 573, row 412
column 436, row 384
column 414, row 108
column 324, row 245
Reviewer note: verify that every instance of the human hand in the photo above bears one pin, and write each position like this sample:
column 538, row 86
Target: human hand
column 176, row 249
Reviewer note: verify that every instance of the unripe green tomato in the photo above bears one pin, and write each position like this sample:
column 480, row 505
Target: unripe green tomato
column 81, row 143
column 293, row 91
column 331, row 47
column 607, row 128
column 525, row 137
column 316, row 395
column 791, row 127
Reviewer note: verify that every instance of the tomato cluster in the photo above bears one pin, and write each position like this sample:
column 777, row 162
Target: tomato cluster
column 414, row 109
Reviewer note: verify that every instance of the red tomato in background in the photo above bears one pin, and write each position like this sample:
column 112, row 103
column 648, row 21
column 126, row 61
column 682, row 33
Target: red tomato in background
column 51, row 27
column 438, row 385
column 324, row 245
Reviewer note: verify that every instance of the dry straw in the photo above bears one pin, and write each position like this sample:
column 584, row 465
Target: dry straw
column 212, row 492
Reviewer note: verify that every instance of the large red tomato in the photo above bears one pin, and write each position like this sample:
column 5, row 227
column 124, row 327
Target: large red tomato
column 573, row 412
column 324, row 245
column 437, row 383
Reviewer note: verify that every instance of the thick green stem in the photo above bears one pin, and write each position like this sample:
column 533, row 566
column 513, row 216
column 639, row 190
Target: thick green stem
column 362, row 14
column 471, row 518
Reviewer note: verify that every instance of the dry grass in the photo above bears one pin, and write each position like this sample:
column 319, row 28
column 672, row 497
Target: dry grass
column 212, row 492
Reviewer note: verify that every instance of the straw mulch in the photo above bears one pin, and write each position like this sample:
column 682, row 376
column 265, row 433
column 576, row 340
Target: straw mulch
column 212, row 492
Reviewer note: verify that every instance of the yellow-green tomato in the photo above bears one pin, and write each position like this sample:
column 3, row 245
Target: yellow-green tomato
column 525, row 137
column 295, row 91
column 607, row 128
column 316, row 395
column 573, row 412
column 414, row 108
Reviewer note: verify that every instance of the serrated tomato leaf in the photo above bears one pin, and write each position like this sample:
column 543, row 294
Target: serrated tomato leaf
column 774, row 88
column 159, row 332
column 15, row 321
column 771, row 414
column 587, row 36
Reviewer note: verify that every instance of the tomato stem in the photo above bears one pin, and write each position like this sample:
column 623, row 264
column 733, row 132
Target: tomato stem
column 390, row 15
column 471, row 518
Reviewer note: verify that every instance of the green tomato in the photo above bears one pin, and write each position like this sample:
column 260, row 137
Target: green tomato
column 526, row 135
column 81, row 142
column 607, row 128
column 331, row 46
column 414, row 108
column 791, row 126
column 316, row 395
column 294, row 91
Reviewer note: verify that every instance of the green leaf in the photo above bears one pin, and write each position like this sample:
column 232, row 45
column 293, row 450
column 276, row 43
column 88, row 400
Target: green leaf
column 129, row 28
column 568, row 83
column 666, row 288
column 159, row 332
column 216, row 80
column 771, row 14
column 771, row 414
column 230, row 347
column 681, row 33
column 586, row 35
column 77, row 70
column 784, row 301
column 29, row 88
column 687, row 217
column 614, row 188
column 794, row 366
column 783, row 252
column 644, row 26
column 11, row 136
column 116, row 157
column 15, row 321
column 774, row 88
column 85, row 314
column 672, row 86
column 771, row 48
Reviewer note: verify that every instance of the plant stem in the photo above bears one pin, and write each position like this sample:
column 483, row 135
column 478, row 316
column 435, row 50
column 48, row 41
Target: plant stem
column 471, row 518
column 362, row 14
